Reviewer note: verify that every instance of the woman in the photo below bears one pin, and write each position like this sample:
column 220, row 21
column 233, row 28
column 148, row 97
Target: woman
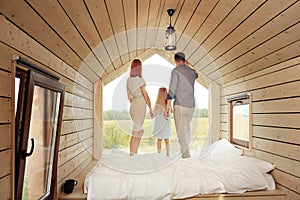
column 138, row 97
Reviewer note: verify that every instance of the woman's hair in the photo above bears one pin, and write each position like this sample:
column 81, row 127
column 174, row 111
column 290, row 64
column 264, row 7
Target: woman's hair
column 162, row 97
column 136, row 68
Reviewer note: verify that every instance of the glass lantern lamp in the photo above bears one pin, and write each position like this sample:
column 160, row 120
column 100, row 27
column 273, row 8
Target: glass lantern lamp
column 170, row 37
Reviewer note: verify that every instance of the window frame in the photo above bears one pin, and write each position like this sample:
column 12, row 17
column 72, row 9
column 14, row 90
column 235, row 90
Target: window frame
column 34, row 77
column 242, row 99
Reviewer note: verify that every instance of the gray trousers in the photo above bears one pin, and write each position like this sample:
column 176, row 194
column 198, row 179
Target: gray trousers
column 183, row 117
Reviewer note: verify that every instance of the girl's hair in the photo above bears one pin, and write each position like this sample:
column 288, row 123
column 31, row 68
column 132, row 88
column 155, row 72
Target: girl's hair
column 162, row 97
column 136, row 68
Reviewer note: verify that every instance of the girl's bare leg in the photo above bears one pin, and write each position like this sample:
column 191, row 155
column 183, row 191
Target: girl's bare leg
column 159, row 145
column 167, row 142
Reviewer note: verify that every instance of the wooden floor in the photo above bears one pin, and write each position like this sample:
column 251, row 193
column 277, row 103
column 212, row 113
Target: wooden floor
column 256, row 195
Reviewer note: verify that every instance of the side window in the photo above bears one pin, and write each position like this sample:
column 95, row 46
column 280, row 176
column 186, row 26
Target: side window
column 39, row 100
column 240, row 120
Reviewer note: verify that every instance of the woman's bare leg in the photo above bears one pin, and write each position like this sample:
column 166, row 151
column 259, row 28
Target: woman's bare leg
column 167, row 142
column 158, row 145
column 132, row 145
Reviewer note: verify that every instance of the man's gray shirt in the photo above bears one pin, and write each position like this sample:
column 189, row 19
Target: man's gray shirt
column 181, row 86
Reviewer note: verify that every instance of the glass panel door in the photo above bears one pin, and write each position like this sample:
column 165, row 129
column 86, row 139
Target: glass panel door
column 42, row 137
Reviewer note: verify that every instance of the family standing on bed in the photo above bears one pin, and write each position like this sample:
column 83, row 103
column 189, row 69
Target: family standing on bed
column 181, row 89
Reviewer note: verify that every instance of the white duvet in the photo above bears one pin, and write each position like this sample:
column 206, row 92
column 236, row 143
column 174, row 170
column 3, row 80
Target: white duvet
column 155, row 176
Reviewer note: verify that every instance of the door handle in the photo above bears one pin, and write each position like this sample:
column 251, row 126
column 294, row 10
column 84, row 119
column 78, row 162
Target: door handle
column 25, row 154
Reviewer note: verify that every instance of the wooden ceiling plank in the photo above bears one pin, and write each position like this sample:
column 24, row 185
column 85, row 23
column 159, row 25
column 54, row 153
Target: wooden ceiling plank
column 218, row 14
column 129, row 7
column 266, row 71
column 100, row 17
column 267, row 79
column 189, row 10
column 199, row 17
column 288, row 36
column 277, row 41
column 81, row 19
column 116, row 14
column 236, row 42
column 231, row 23
column 35, row 27
column 45, row 51
column 277, row 57
column 142, row 22
column 153, row 10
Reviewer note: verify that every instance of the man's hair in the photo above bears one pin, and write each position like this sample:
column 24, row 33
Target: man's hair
column 179, row 56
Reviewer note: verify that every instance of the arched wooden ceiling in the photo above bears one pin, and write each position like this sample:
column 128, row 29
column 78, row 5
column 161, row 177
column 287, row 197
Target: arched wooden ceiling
column 223, row 39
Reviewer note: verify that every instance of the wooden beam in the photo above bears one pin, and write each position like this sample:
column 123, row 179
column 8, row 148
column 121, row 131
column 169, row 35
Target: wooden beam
column 98, row 120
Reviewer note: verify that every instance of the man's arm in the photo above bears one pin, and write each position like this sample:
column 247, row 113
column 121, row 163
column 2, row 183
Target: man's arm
column 168, row 107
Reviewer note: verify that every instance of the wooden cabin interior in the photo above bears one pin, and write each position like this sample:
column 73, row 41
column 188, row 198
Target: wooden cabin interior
column 237, row 47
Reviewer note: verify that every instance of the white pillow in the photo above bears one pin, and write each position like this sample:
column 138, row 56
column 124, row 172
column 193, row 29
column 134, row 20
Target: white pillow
column 220, row 150
column 263, row 166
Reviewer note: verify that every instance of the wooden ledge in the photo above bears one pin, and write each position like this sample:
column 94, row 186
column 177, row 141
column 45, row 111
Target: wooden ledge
column 254, row 195
column 78, row 189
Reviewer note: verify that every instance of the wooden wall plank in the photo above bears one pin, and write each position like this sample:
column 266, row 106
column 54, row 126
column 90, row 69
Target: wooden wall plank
column 74, row 138
column 5, row 110
column 290, row 195
column 287, row 180
column 278, row 91
column 75, row 171
column 67, row 154
column 5, row 85
column 276, row 106
column 284, row 164
column 283, row 149
column 5, row 157
column 278, row 134
column 5, row 58
column 5, row 135
column 74, row 125
column 277, row 120
column 75, row 162
column 77, row 101
column 5, row 191
column 77, row 113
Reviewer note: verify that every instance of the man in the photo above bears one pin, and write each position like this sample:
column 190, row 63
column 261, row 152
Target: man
column 181, row 89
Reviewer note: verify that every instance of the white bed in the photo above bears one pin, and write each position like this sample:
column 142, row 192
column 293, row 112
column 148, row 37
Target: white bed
column 219, row 168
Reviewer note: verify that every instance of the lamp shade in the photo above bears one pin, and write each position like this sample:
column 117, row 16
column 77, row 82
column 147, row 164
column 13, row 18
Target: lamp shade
column 170, row 40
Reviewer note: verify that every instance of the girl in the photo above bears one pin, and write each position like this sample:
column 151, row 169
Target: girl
column 138, row 97
column 162, row 125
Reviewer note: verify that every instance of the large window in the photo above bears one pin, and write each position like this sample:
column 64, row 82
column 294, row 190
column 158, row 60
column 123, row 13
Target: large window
column 240, row 120
column 39, row 100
